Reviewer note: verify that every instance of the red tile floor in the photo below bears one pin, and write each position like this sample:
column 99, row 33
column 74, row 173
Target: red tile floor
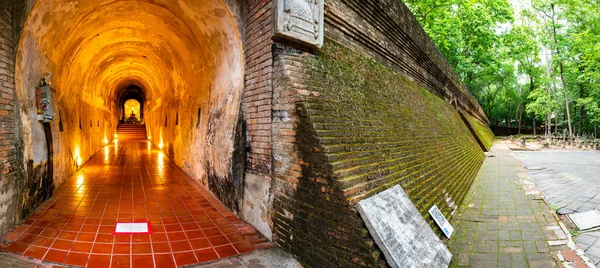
column 127, row 182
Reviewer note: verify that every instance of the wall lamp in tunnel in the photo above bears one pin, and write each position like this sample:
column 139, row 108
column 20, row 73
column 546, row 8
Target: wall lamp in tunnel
column 77, row 157
column 77, row 162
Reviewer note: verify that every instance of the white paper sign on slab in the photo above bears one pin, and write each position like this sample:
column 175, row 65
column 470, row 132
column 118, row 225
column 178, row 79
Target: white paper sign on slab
column 132, row 228
column 441, row 221
column 400, row 231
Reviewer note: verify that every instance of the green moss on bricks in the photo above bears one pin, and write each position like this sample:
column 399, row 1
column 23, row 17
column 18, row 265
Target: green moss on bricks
column 379, row 130
column 483, row 132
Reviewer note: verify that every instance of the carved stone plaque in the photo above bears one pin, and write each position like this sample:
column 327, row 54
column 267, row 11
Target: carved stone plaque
column 400, row 231
column 300, row 21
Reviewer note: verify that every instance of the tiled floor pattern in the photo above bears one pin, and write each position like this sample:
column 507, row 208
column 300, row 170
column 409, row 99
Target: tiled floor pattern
column 500, row 225
column 128, row 182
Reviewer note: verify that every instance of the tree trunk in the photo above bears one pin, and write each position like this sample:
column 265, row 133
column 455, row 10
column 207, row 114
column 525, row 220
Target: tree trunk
column 556, row 127
column 580, row 121
column 562, row 76
column 519, row 116
column 509, row 119
column 534, row 130
column 548, row 127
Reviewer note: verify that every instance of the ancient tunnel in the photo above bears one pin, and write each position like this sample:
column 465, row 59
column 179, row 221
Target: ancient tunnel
column 181, row 60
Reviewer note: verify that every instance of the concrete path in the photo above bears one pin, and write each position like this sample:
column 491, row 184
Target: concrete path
column 271, row 257
column 15, row 261
column 504, row 222
column 570, row 182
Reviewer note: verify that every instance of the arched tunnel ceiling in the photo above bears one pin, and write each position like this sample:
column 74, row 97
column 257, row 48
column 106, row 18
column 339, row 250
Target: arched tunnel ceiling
column 164, row 47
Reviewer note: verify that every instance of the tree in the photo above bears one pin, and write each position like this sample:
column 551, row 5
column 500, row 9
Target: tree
column 549, row 10
column 547, row 55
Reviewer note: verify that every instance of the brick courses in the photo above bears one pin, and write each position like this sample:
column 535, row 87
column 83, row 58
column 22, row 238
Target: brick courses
column 9, row 164
column 257, row 97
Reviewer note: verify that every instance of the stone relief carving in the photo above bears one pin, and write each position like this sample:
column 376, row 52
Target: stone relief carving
column 300, row 20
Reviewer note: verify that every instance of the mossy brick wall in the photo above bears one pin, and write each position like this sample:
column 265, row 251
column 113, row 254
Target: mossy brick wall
column 10, row 166
column 388, row 32
column 360, row 128
column 481, row 131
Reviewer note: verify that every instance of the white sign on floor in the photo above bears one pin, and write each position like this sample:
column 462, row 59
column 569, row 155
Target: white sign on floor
column 132, row 228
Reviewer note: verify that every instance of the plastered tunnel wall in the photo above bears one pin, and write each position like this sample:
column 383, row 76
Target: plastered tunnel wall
column 288, row 136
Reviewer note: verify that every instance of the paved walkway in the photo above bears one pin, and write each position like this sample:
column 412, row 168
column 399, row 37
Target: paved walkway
column 590, row 243
column 569, row 180
column 129, row 182
column 269, row 257
column 503, row 222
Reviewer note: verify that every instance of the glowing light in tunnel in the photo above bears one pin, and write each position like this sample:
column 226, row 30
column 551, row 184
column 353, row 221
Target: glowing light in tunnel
column 149, row 148
column 160, row 160
column 161, row 145
column 77, row 156
column 106, row 153
column 133, row 106
column 80, row 180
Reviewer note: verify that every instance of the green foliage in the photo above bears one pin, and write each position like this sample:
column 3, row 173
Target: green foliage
column 522, row 63
column 541, row 103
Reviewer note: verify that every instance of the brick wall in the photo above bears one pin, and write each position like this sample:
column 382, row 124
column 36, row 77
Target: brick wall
column 348, row 128
column 386, row 31
column 324, row 155
column 258, row 90
column 9, row 165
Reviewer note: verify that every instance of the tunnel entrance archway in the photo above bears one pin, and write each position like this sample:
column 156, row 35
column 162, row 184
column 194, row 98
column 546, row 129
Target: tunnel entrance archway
column 175, row 57
column 136, row 98
column 132, row 111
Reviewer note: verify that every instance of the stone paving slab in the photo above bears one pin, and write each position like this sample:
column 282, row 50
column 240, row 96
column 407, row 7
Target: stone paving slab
column 271, row 257
column 499, row 225
column 590, row 243
column 15, row 261
column 586, row 220
column 568, row 179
